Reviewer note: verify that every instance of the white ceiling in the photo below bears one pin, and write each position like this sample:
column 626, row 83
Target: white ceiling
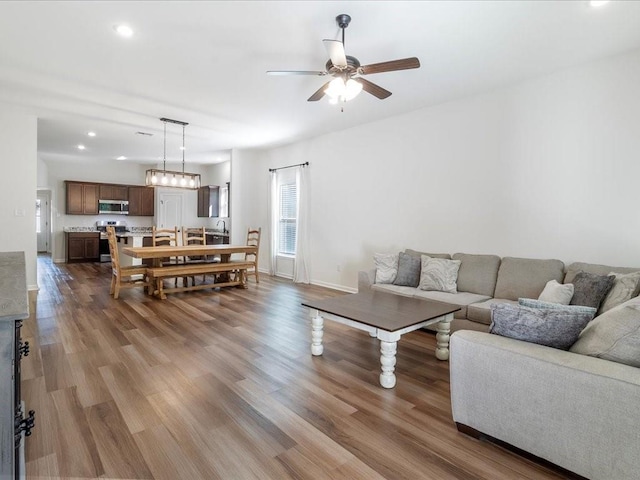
column 205, row 63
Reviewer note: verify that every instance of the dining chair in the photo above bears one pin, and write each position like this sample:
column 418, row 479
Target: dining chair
column 194, row 236
column 253, row 239
column 166, row 237
column 123, row 277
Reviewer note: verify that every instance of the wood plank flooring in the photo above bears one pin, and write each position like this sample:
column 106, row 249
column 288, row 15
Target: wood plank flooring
column 222, row 385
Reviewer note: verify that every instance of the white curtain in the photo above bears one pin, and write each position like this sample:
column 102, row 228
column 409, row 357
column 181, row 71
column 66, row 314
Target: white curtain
column 273, row 221
column 301, row 267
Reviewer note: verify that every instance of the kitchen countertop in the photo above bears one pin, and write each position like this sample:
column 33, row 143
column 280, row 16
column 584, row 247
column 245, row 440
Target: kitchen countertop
column 134, row 231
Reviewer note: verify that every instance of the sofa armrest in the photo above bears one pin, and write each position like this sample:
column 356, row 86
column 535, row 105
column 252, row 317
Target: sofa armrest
column 366, row 278
column 576, row 411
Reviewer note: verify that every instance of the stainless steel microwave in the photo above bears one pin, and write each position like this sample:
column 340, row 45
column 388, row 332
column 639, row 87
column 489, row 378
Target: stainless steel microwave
column 113, row 207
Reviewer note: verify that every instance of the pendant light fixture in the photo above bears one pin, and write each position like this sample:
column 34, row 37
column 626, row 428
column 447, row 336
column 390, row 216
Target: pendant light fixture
column 167, row 178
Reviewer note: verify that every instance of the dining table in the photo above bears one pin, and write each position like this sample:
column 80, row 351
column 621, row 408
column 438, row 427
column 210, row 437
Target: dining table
column 160, row 270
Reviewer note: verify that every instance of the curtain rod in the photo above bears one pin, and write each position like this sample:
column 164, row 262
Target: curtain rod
column 290, row 166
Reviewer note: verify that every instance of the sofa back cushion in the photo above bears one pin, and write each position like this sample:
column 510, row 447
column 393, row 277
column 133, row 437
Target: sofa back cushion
column 594, row 268
column 526, row 277
column 478, row 273
column 415, row 253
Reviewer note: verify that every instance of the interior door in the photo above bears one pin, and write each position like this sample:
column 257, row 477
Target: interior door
column 170, row 211
column 42, row 222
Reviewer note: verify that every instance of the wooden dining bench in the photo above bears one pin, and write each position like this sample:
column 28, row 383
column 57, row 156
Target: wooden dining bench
column 239, row 268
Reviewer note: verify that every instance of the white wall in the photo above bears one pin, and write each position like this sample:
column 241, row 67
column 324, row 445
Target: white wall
column 544, row 169
column 18, row 161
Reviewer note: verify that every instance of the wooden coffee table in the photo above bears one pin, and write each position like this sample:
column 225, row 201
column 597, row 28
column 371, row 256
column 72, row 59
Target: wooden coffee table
column 385, row 316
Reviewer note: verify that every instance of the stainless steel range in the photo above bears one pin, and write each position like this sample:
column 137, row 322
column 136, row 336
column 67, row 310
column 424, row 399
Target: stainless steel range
column 101, row 225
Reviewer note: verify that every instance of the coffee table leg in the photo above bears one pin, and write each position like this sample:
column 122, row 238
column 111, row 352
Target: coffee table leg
column 316, row 334
column 388, row 362
column 442, row 337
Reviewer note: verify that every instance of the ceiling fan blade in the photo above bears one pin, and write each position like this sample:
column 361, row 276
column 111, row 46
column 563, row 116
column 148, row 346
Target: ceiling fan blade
column 393, row 65
column 373, row 89
column 295, row 72
column 335, row 49
column 318, row 94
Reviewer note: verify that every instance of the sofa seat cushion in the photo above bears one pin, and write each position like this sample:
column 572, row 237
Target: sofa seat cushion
column 526, row 277
column 481, row 312
column 477, row 273
column 397, row 289
column 462, row 299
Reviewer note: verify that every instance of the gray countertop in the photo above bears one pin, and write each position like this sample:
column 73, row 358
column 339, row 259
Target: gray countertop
column 14, row 300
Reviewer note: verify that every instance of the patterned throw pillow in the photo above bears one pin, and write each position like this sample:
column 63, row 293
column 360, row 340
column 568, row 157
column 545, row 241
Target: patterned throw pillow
column 555, row 292
column 408, row 270
column 553, row 327
column 625, row 287
column 590, row 289
column 439, row 274
column 386, row 267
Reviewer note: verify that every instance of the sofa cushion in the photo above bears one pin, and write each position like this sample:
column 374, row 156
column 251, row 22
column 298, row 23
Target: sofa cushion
column 462, row 299
column 625, row 287
column 415, row 253
column 478, row 273
column 386, row 267
column 590, row 289
column 614, row 336
column 526, row 277
column 576, row 267
column 408, row 270
column 553, row 327
column 439, row 274
column 397, row 289
column 555, row 292
column 481, row 312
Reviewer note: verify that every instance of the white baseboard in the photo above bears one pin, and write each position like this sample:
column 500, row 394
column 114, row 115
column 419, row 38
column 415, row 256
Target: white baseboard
column 33, row 287
column 59, row 260
column 334, row 286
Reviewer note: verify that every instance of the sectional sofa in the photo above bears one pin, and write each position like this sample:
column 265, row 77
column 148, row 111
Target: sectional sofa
column 577, row 409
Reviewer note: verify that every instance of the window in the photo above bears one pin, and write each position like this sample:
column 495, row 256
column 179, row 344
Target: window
column 287, row 218
column 38, row 216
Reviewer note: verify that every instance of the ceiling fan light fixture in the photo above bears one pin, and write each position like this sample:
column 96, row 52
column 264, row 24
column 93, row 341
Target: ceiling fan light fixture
column 339, row 90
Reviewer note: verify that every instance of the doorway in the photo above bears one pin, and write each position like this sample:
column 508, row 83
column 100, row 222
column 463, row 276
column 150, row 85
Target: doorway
column 43, row 222
column 170, row 210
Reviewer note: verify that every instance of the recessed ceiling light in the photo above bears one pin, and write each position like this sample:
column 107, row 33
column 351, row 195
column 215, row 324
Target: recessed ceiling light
column 91, row 134
column 80, row 147
column 121, row 157
column 598, row 3
column 124, row 30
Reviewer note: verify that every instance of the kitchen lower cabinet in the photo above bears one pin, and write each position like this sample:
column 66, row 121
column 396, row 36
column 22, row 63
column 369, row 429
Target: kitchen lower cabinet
column 83, row 247
column 15, row 422
column 217, row 239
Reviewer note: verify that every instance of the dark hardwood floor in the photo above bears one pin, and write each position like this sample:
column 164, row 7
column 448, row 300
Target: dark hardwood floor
column 222, row 385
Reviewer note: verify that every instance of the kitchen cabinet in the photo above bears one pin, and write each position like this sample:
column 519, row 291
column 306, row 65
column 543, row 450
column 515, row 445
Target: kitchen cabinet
column 83, row 247
column 82, row 198
column 141, row 201
column 114, row 192
column 217, row 239
column 15, row 423
column 208, row 201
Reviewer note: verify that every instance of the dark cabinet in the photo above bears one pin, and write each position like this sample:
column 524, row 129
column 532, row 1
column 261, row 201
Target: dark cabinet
column 208, row 201
column 141, row 201
column 82, row 198
column 114, row 192
column 215, row 239
column 83, row 247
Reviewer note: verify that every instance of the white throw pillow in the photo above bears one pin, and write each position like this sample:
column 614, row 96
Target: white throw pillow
column 439, row 274
column 386, row 267
column 555, row 292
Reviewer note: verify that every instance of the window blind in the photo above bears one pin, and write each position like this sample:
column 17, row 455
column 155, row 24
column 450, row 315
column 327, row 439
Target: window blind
column 288, row 200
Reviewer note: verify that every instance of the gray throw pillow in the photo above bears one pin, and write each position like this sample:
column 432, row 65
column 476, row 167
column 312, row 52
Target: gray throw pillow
column 625, row 287
column 553, row 327
column 408, row 270
column 589, row 289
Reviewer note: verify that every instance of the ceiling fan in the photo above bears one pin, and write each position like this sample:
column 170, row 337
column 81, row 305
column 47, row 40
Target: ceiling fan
column 347, row 72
